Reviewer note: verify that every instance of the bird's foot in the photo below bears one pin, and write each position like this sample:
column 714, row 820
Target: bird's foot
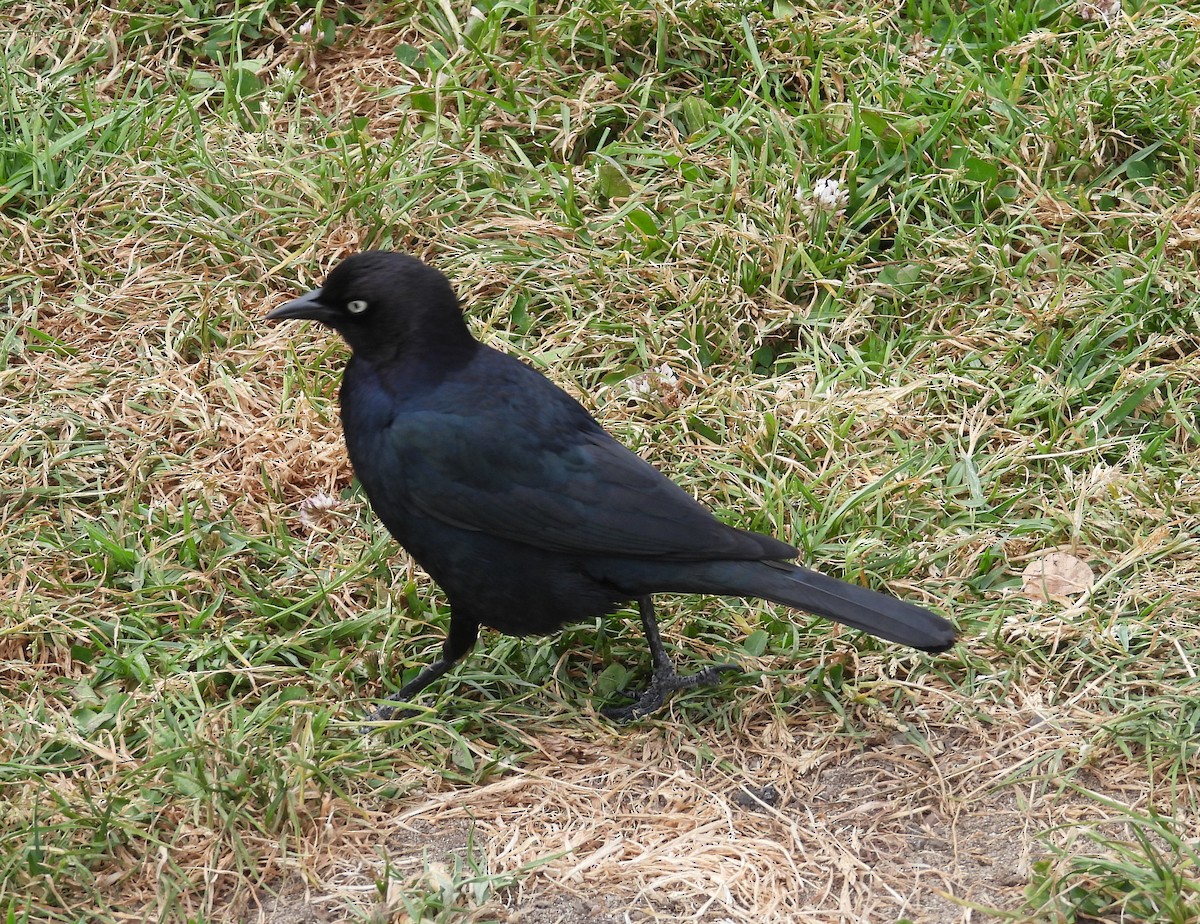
column 456, row 647
column 664, row 682
column 385, row 713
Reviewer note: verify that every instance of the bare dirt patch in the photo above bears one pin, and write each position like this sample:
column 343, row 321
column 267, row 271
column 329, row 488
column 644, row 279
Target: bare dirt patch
column 647, row 823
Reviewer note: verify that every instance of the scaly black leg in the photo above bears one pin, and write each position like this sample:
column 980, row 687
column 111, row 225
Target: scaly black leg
column 665, row 680
column 463, row 633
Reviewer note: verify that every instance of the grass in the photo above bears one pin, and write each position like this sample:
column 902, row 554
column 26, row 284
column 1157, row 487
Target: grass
column 989, row 354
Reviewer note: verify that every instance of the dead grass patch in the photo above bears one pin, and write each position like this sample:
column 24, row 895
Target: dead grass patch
column 930, row 825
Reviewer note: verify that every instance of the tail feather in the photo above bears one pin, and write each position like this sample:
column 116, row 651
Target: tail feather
column 880, row 614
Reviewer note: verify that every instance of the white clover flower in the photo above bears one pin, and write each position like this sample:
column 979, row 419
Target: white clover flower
column 661, row 382
column 1104, row 11
column 315, row 510
column 828, row 195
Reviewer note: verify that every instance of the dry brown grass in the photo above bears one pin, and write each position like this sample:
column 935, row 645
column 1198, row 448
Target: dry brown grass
column 927, row 823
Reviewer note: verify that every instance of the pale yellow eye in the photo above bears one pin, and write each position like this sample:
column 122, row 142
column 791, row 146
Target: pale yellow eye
column 358, row 306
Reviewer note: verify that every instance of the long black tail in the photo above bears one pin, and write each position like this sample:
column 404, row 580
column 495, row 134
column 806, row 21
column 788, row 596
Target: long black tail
column 781, row 582
column 880, row 614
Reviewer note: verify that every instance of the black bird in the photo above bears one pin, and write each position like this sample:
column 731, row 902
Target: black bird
column 516, row 501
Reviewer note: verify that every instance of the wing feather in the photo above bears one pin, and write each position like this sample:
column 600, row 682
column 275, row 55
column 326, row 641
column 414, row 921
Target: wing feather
column 525, row 462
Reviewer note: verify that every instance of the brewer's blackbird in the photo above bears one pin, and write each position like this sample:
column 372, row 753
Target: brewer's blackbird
column 516, row 501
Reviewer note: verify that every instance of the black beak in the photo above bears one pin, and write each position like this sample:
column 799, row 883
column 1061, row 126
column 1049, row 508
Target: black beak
column 308, row 306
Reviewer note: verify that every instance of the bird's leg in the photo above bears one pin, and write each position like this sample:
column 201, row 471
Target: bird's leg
column 665, row 680
column 460, row 640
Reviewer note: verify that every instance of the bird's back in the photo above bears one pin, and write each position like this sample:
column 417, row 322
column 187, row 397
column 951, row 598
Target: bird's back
column 493, row 446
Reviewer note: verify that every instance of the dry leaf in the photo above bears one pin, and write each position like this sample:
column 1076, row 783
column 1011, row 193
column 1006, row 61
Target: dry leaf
column 1056, row 576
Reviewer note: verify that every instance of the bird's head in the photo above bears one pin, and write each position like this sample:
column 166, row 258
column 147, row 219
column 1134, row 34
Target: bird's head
column 383, row 302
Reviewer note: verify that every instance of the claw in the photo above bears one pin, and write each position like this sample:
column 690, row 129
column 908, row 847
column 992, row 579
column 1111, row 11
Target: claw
column 384, row 713
column 662, row 685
